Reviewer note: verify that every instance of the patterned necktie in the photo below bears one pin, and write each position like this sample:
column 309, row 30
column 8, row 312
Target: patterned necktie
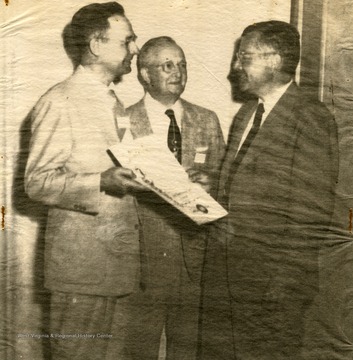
column 174, row 135
column 244, row 148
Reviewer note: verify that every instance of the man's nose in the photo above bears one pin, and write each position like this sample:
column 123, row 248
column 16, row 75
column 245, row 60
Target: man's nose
column 133, row 48
column 176, row 71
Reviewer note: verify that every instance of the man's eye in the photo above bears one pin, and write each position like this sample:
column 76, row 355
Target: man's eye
column 126, row 42
column 168, row 66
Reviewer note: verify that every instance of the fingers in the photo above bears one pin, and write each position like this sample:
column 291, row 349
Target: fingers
column 198, row 176
column 201, row 178
column 192, row 173
column 134, row 186
column 118, row 180
column 127, row 173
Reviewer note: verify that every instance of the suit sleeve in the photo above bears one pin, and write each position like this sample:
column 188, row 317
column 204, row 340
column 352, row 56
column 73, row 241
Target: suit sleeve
column 309, row 206
column 314, row 172
column 47, row 178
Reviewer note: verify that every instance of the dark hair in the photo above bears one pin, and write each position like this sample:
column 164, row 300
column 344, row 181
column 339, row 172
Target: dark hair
column 88, row 21
column 283, row 38
column 146, row 50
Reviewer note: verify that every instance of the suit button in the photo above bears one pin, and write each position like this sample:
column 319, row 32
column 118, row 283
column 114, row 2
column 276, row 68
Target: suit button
column 137, row 226
column 164, row 254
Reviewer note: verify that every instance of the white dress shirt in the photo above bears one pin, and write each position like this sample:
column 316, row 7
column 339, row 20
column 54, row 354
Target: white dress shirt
column 159, row 120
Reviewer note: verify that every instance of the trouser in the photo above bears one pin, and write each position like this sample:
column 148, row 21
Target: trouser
column 88, row 327
column 215, row 326
column 173, row 308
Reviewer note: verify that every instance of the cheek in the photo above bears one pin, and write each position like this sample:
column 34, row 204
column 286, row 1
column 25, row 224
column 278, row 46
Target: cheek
column 254, row 73
column 156, row 78
column 118, row 54
column 156, row 82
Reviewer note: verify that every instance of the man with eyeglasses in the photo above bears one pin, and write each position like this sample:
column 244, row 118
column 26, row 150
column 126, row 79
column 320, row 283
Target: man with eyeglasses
column 277, row 182
column 174, row 246
column 92, row 250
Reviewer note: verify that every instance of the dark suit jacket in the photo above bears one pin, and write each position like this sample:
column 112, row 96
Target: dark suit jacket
column 171, row 240
column 280, row 199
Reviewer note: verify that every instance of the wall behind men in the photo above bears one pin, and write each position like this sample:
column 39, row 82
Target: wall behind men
column 33, row 59
column 205, row 30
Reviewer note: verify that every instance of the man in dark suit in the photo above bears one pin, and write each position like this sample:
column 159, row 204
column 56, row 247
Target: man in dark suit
column 174, row 246
column 277, row 182
column 92, row 254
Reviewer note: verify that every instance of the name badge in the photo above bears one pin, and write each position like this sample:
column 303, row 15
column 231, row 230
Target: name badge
column 200, row 155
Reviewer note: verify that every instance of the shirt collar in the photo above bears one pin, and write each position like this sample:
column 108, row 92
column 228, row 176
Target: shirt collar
column 270, row 100
column 155, row 107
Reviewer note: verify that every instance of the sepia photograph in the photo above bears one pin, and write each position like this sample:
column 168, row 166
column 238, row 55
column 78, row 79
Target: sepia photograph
column 176, row 180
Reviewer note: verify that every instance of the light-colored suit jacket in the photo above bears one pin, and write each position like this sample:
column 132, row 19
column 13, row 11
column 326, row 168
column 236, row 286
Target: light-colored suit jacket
column 171, row 240
column 92, row 238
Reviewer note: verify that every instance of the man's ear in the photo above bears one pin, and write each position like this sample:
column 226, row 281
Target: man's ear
column 94, row 46
column 276, row 62
column 145, row 75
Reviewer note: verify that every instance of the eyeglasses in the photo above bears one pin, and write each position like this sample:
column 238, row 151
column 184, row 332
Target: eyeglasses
column 243, row 56
column 169, row 66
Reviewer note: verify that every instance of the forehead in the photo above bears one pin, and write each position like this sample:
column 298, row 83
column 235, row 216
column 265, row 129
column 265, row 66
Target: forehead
column 166, row 53
column 252, row 42
column 120, row 27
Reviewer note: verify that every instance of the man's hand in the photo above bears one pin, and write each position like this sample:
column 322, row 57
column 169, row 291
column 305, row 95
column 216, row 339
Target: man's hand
column 119, row 181
column 201, row 178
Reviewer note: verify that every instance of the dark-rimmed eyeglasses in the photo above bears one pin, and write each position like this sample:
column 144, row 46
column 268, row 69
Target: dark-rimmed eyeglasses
column 169, row 66
column 244, row 56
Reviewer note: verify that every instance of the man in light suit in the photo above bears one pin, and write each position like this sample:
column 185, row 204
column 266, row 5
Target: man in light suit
column 277, row 182
column 92, row 254
column 174, row 246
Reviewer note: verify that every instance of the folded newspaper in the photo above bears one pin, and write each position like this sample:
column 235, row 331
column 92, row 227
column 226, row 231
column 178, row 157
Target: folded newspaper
column 159, row 171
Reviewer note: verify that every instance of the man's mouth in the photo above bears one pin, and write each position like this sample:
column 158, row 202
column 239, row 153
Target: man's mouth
column 127, row 61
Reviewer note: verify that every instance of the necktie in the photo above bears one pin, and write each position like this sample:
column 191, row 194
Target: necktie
column 245, row 146
column 118, row 108
column 118, row 111
column 174, row 135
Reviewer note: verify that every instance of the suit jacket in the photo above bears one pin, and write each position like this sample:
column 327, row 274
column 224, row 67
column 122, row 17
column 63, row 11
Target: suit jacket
column 92, row 238
column 172, row 240
column 280, row 199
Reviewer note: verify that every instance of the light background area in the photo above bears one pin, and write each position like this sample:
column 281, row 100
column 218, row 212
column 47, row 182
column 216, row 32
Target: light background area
column 33, row 59
column 205, row 30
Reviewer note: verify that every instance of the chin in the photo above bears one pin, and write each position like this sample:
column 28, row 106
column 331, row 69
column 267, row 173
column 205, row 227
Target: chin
column 177, row 90
column 127, row 69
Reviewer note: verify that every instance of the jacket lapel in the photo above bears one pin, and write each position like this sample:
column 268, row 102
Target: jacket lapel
column 274, row 128
column 139, row 122
column 236, row 131
column 189, row 136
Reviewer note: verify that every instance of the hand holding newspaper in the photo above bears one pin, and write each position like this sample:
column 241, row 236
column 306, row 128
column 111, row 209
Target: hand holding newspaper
column 159, row 171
